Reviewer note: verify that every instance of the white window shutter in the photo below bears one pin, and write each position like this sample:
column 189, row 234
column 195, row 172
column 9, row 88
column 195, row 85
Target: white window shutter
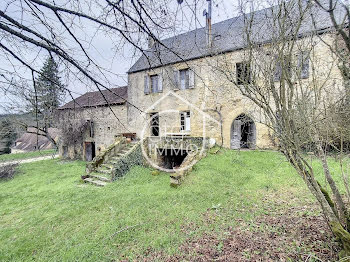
column 160, row 83
column 191, row 78
column 176, row 80
column 146, row 84
column 188, row 123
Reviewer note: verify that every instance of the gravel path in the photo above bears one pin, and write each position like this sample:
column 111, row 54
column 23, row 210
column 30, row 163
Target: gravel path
column 29, row 160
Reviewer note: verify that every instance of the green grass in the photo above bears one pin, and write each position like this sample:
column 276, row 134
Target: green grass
column 47, row 214
column 20, row 156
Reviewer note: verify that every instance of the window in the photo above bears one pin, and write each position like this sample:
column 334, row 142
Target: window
column 154, row 83
column 154, row 118
column 91, row 128
column 185, row 121
column 279, row 66
column 303, row 64
column 184, row 79
column 243, row 73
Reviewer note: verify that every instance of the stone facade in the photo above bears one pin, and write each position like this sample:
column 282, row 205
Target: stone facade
column 203, row 101
column 214, row 103
column 106, row 126
column 188, row 93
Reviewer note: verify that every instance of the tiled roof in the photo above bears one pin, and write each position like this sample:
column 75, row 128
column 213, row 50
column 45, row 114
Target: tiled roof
column 228, row 35
column 31, row 141
column 113, row 96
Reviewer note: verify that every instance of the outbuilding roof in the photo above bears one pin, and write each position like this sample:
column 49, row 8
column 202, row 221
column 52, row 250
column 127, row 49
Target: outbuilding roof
column 30, row 141
column 112, row 96
column 228, row 35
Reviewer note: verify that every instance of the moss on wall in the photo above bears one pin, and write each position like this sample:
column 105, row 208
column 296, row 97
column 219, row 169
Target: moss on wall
column 132, row 158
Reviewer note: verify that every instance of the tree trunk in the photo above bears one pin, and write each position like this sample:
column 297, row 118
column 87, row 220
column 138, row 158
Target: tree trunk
column 342, row 235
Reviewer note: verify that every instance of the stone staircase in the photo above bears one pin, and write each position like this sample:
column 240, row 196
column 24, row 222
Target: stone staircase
column 113, row 163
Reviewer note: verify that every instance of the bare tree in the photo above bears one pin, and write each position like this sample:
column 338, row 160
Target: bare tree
column 67, row 32
column 339, row 14
column 60, row 30
column 298, row 92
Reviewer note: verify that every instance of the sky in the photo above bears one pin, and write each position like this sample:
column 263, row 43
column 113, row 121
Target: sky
column 102, row 48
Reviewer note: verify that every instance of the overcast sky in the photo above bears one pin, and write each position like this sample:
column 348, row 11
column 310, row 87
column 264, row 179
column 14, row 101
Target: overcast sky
column 118, row 60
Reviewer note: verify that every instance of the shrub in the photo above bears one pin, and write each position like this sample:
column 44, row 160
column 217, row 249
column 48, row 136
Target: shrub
column 8, row 171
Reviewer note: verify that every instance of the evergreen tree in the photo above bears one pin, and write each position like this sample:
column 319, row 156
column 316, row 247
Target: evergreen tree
column 49, row 94
column 7, row 136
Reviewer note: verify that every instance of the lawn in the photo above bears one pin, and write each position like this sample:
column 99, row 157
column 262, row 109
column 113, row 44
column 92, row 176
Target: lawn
column 48, row 214
column 27, row 155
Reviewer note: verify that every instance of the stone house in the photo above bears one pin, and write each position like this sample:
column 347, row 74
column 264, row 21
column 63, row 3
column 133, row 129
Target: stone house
column 91, row 122
column 179, row 91
column 188, row 65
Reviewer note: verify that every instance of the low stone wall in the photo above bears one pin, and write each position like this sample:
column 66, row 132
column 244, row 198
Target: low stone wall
column 169, row 142
column 178, row 177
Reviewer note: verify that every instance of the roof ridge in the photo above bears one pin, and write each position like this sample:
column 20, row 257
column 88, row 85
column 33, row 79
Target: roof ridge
column 117, row 95
column 215, row 24
column 193, row 45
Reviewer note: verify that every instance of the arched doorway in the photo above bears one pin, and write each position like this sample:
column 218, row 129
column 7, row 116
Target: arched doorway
column 243, row 133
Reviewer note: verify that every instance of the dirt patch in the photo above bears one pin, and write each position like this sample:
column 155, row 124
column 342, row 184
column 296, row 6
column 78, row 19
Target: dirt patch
column 284, row 234
column 270, row 239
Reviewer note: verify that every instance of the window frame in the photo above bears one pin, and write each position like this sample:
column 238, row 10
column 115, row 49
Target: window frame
column 151, row 79
column 277, row 75
column 91, row 128
column 154, row 123
column 304, row 64
column 244, row 69
column 184, row 115
column 184, row 83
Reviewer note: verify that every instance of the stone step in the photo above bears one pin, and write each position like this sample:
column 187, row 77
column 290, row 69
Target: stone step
column 121, row 153
column 107, row 166
column 103, row 171
column 101, row 178
column 94, row 182
column 114, row 160
column 124, row 151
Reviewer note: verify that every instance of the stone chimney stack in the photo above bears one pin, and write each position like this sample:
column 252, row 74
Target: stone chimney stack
column 150, row 42
column 208, row 24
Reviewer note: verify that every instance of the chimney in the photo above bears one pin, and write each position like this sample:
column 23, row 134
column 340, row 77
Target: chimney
column 150, row 42
column 208, row 24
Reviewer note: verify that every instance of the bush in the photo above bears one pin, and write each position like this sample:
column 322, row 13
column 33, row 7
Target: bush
column 8, row 171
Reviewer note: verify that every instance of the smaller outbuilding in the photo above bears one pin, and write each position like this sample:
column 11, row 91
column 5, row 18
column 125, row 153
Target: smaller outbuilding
column 33, row 141
column 91, row 122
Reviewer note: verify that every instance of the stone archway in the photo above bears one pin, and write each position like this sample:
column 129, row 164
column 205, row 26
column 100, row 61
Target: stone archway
column 243, row 132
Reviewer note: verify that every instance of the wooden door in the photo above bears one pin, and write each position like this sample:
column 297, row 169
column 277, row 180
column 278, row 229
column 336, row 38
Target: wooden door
column 236, row 134
column 88, row 151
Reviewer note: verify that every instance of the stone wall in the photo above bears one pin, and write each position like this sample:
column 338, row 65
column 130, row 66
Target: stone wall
column 214, row 100
column 106, row 127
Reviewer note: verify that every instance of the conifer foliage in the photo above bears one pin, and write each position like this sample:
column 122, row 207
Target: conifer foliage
column 49, row 92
